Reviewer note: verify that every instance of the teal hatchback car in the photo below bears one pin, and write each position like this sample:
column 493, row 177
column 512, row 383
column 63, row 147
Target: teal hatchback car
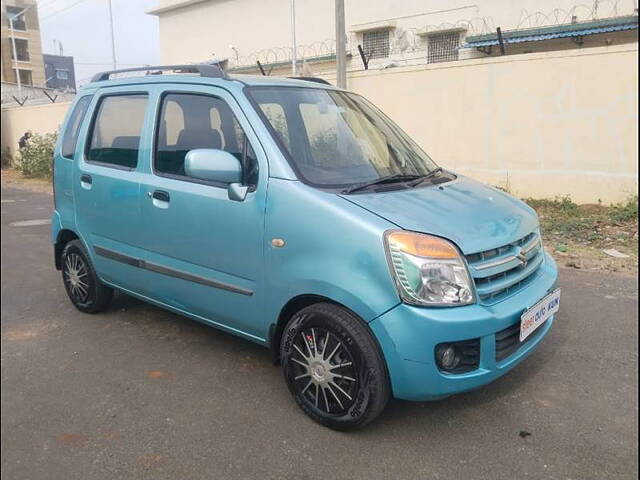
column 297, row 215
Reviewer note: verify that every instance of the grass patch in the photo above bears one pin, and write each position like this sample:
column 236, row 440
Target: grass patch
column 576, row 230
column 625, row 212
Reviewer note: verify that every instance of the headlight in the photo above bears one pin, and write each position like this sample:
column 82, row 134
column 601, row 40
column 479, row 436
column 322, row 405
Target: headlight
column 428, row 270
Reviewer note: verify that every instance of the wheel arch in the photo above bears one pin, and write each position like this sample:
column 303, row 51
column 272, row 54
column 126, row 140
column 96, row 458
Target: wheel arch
column 64, row 236
column 293, row 306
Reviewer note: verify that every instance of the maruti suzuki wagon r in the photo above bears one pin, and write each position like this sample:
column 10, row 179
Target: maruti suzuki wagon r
column 297, row 215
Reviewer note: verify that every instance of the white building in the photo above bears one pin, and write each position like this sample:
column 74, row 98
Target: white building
column 390, row 33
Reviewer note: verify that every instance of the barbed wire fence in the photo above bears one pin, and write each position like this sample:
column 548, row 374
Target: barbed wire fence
column 598, row 10
column 410, row 40
column 405, row 43
column 27, row 95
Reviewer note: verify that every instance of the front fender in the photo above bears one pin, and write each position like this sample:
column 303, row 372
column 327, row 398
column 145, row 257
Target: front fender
column 332, row 249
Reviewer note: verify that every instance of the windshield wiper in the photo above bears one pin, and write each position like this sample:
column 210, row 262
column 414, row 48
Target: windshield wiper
column 429, row 175
column 398, row 177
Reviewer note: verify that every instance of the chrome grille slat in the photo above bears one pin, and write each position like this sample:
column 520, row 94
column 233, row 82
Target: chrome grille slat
column 509, row 278
column 502, row 271
column 499, row 259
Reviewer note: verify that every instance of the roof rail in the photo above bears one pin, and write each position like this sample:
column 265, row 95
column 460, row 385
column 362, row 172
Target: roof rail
column 312, row 79
column 205, row 70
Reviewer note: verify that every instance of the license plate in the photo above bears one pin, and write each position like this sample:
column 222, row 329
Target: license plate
column 539, row 313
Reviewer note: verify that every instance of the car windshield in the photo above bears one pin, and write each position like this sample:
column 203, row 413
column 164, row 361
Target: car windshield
column 338, row 139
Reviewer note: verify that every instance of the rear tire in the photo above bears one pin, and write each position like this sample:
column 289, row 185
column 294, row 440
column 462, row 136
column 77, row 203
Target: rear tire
column 333, row 367
column 87, row 293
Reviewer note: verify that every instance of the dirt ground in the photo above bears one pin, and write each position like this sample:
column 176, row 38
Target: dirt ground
column 576, row 235
column 13, row 178
column 138, row 392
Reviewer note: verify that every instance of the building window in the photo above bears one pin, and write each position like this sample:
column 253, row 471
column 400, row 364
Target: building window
column 443, row 47
column 25, row 77
column 22, row 50
column 376, row 43
column 62, row 74
column 15, row 16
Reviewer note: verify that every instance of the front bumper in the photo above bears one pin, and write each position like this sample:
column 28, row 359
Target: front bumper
column 408, row 336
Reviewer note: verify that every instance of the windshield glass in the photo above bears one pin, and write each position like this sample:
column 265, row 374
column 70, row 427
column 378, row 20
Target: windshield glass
column 337, row 139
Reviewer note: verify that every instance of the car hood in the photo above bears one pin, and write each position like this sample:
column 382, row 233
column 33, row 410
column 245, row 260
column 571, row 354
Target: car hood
column 474, row 216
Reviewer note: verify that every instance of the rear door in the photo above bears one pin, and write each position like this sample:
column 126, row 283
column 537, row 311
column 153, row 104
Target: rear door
column 107, row 184
column 204, row 251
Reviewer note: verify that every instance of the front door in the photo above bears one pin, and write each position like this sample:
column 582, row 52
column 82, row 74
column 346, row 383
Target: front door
column 106, row 185
column 204, row 252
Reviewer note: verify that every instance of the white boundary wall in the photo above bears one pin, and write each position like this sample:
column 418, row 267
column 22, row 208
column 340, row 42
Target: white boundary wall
column 539, row 125
column 36, row 118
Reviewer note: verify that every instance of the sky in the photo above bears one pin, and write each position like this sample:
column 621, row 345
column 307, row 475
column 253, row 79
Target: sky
column 82, row 27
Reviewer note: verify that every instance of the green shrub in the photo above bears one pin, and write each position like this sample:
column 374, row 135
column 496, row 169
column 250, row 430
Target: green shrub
column 562, row 204
column 36, row 159
column 624, row 212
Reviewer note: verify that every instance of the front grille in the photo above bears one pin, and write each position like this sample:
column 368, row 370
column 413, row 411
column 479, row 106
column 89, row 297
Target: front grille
column 502, row 271
column 508, row 341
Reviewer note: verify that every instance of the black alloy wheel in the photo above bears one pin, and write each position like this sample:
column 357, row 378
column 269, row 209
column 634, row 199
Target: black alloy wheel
column 85, row 290
column 333, row 367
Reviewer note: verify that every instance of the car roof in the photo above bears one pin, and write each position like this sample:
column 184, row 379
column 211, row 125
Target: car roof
column 239, row 79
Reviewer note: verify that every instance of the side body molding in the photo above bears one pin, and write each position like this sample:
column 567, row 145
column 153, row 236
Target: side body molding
column 154, row 267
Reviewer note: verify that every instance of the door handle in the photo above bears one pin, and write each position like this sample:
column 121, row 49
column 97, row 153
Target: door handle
column 160, row 195
column 86, row 181
column 160, row 198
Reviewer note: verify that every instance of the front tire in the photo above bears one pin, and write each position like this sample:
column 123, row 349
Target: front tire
column 81, row 282
column 333, row 367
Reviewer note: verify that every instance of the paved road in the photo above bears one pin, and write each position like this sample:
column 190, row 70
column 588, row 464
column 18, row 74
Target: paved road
column 138, row 392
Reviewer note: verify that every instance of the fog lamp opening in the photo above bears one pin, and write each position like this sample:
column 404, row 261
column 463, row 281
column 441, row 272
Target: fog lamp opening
column 447, row 357
column 458, row 357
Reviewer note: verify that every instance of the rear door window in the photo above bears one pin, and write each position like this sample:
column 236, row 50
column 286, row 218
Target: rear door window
column 115, row 134
column 70, row 137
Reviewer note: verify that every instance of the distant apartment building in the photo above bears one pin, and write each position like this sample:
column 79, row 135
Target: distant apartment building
column 20, row 44
column 386, row 33
column 59, row 72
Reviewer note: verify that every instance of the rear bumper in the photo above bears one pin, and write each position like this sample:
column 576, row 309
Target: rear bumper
column 408, row 337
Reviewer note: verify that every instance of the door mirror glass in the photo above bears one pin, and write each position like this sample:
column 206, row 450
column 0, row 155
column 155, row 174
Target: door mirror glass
column 213, row 165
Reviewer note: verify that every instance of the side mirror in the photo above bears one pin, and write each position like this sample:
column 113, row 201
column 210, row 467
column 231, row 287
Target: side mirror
column 216, row 166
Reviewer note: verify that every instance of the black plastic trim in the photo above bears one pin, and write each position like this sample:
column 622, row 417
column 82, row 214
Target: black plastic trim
column 204, row 70
column 118, row 257
column 171, row 272
column 468, row 353
column 312, row 79
column 508, row 340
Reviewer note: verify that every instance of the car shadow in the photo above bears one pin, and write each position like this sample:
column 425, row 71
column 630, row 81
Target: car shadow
column 157, row 321
column 408, row 415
